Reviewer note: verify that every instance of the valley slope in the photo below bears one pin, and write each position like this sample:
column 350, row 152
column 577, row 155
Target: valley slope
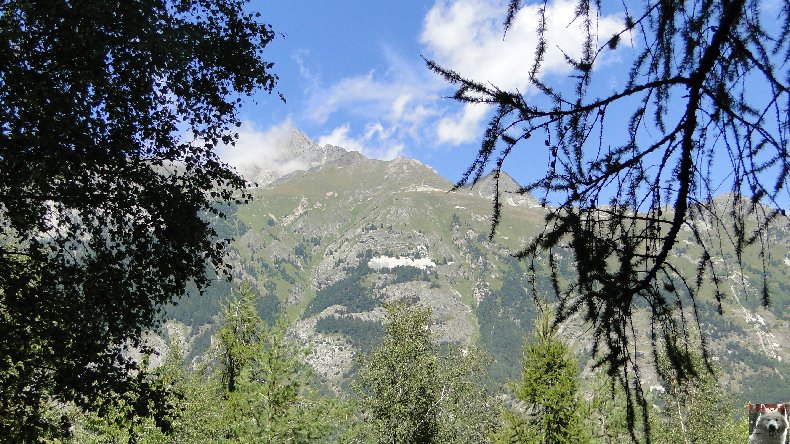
column 330, row 244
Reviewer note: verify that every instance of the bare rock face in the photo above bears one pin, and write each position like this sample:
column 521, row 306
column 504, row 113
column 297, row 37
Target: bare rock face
column 331, row 356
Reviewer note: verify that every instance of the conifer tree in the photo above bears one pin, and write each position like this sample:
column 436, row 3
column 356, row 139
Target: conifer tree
column 633, row 171
column 549, row 393
column 409, row 392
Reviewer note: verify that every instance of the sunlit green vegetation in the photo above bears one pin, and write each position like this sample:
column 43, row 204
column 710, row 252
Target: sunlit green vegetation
column 253, row 386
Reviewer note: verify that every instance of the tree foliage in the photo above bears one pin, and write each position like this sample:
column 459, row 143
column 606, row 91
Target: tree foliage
column 608, row 414
column 118, row 423
column 696, row 409
column 267, row 389
column 409, row 392
column 549, row 391
column 275, row 399
column 706, row 100
column 109, row 115
column 397, row 385
column 254, row 387
column 239, row 336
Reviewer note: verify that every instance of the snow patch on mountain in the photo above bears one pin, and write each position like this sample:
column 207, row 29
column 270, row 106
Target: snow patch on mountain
column 379, row 262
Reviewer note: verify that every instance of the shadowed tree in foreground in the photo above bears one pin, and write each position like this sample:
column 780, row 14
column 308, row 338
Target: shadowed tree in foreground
column 109, row 116
column 703, row 110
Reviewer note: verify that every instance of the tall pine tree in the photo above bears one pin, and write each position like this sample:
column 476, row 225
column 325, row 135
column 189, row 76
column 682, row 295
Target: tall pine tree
column 411, row 392
column 551, row 406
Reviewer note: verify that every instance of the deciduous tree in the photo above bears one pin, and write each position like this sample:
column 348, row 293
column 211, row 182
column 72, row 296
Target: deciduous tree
column 109, row 115
column 398, row 388
column 268, row 394
column 240, row 336
column 410, row 392
column 696, row 409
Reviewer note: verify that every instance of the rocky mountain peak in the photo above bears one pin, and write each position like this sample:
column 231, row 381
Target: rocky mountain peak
column 298, row 142
column 297, row 152
column 508, row 190
column 332, row 244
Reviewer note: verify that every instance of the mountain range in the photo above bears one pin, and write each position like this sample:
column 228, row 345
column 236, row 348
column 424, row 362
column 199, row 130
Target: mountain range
column 333, row 236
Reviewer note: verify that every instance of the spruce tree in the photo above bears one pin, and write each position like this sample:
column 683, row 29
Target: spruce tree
column 551, row 405
column 410, row 391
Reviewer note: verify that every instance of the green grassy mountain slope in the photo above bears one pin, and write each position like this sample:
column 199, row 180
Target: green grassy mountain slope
column 330, row 245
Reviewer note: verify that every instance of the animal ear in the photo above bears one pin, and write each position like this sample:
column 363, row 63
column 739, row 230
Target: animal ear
column 782, row 408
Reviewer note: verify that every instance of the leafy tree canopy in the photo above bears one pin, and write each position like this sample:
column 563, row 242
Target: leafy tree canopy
column 239, row 336
column 268, row 396
column 696, row 410
column 703, row 109
column 109, row 115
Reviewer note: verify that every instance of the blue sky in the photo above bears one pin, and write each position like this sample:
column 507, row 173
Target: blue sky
column 353, row 75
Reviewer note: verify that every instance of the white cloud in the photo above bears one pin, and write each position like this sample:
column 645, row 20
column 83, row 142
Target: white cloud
column 262, row 149
column 376, row 142
column 359, row 91
column 402, row 106
column 339, row 137
column 463, row 127
column 467, row 37
column 404, row 95
column 383, row 110
column 312, row 79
